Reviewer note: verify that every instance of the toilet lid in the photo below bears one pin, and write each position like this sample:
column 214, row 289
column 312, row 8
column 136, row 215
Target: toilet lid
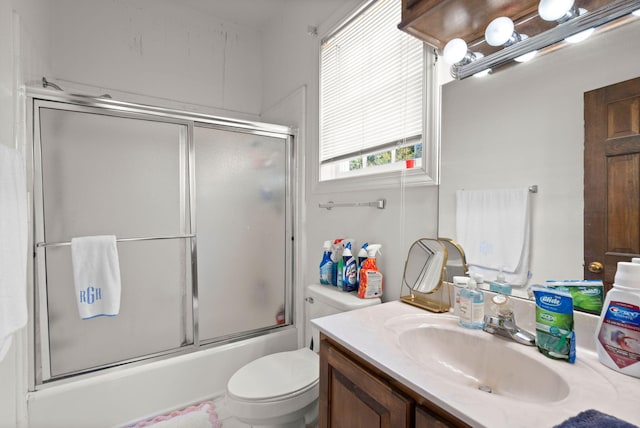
column 275, row 375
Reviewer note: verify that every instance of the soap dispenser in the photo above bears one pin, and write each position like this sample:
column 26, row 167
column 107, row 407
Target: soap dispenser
column 500, row 285
column 471, row 306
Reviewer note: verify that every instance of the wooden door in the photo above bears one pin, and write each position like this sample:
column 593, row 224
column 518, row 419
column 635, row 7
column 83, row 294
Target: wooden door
column 352, row 397
column 611, row 178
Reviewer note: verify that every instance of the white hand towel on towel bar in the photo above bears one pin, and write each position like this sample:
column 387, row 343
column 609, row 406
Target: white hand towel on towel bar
column 96, row 275
column 493, row 227
column 13, row 246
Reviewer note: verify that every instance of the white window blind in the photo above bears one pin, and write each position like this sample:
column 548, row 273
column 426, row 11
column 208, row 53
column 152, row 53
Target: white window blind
column 371, row 85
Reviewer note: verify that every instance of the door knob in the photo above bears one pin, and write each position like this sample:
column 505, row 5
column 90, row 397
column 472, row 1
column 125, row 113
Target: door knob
column 596, row 267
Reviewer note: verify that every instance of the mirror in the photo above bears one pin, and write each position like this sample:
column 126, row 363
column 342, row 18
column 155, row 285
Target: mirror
column 523, row 126
column 423, row 275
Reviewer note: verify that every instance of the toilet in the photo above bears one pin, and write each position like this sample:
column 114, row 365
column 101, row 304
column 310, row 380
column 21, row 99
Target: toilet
column 281, row 389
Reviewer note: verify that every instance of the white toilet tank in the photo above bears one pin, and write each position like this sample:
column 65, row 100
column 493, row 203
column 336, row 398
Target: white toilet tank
column 323, row 300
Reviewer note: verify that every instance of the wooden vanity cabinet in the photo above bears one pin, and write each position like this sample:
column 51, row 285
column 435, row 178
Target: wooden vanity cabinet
column 355, row 394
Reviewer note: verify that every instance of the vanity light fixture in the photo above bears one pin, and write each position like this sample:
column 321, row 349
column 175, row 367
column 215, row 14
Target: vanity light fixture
column 483, row 72
column 562, row 11
column 557, row 10
column 456, row 51
column 573, row 26
column 581, row 36
column 528, row 56
column 500, row 32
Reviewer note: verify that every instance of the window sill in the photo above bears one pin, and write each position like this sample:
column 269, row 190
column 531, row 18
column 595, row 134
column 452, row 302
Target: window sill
column 408, row 177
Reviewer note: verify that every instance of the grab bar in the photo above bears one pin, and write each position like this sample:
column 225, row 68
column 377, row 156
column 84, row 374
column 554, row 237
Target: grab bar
column 380, row 204
column 150, row 238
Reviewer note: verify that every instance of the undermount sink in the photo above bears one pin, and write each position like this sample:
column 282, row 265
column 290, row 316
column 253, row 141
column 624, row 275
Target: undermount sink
column 480, row 361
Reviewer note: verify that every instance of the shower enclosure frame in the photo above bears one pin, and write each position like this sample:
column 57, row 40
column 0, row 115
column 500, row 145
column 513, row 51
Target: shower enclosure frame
column 39, row 371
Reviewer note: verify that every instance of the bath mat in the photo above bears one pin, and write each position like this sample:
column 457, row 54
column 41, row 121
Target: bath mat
column 202, row 415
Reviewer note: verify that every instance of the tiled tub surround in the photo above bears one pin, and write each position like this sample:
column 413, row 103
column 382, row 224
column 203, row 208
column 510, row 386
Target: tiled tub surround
column 373, row 335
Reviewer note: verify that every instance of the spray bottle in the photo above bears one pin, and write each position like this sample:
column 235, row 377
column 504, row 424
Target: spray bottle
column 349, row 275
column 371, row 280
column 336, row 254
column 326, row 264
column 362, row 256
column 340, row 273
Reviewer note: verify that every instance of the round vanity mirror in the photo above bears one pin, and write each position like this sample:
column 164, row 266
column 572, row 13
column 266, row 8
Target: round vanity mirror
column 424, row 266
column 423, row 275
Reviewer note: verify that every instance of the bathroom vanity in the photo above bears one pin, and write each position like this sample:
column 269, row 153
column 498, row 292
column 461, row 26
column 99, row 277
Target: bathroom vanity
column 356, row 393
column 397, row 365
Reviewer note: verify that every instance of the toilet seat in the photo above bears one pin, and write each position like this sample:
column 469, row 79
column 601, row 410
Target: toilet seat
column 276, row 377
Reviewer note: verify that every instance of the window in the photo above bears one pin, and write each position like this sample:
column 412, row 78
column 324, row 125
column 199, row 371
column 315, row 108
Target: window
column 372, row 96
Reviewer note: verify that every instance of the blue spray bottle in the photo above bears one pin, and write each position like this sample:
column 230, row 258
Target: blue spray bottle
column 335, row 257
column 326, row 264
column 350, row 270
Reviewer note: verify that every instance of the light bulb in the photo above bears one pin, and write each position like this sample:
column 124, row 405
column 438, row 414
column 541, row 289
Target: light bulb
column 529, row 55
column 581, row 36
column 454, row 51
column 499, row 31
column 636, row 12
column 553, row 10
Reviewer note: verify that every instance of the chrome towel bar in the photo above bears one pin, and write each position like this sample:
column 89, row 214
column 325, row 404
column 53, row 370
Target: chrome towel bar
column 150, row 238
column 380, row 204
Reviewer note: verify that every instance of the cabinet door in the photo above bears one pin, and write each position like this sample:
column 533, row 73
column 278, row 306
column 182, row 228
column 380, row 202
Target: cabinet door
column 352, row 397
column 426, row 419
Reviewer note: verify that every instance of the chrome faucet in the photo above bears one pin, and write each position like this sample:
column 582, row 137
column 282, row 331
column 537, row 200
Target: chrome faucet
column 503, row 323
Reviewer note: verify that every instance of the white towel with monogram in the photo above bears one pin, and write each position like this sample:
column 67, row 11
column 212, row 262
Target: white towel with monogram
column 96, row 275
column 493, row 227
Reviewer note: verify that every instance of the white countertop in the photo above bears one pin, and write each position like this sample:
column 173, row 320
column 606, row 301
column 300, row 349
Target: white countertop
column 369, row 333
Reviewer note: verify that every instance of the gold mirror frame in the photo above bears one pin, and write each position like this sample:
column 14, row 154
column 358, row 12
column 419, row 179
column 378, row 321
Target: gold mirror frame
column 437, row 299
column 455, row 253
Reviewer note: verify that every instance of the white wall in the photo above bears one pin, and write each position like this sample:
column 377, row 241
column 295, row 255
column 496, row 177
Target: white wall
column 22, row 47
column 523, row 126
column 7, row 92
column 157, row 51
column 290, row 61
column 139, row 51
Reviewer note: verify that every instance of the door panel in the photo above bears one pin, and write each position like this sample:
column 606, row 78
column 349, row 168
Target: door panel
column 352, row 397
column 122, row 176
column 243, row 246
column 611, row 177
column 622, row 212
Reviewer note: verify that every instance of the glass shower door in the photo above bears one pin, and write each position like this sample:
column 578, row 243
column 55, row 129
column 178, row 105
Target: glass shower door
column 123, row 176
column 244, row 245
